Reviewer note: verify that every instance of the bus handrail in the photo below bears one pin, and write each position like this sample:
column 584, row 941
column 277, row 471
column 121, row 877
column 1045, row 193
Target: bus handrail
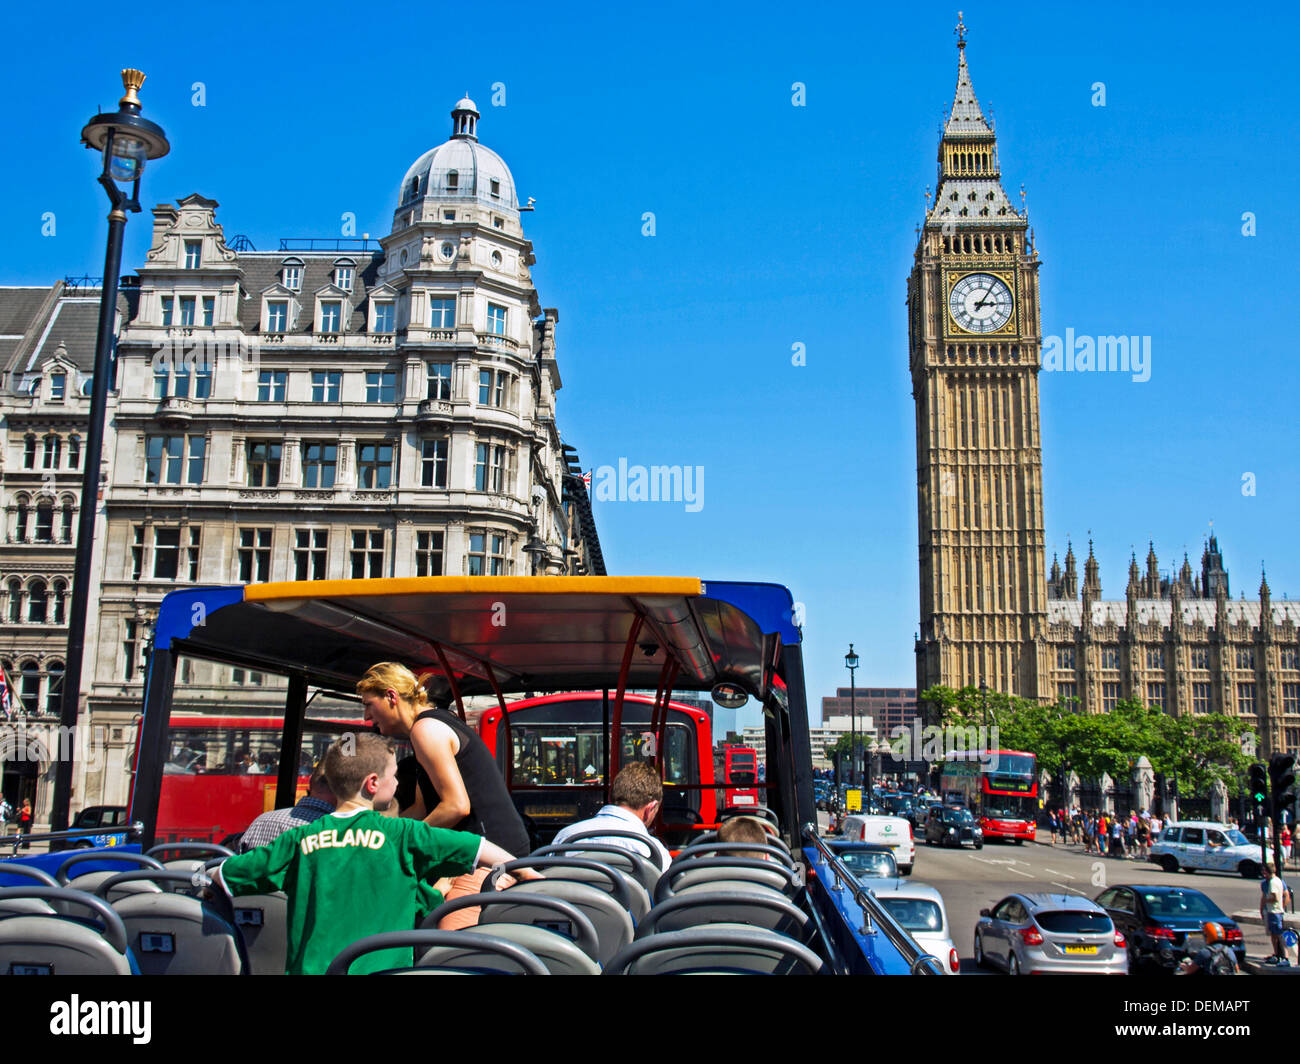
column 133, row 830
column 919, row 962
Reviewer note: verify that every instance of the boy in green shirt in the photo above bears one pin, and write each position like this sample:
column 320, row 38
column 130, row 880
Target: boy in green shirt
column 357, row 872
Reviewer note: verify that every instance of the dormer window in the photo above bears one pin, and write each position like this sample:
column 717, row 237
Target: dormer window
column 277, row 316
column 496, row 188
column 453, row 181
column 291, row 274
column 331, row 315
column 414, row 190
column 385, row 317
column 193, row 254
column 58, row 386
column 343, row 278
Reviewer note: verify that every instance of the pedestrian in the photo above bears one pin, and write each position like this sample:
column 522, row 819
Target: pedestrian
column 25, row 821
column 1285, row 840
column 1116, row 838
column 1143, row 834
column 1051, row 823
column 1273, row 897
column 1214, row 958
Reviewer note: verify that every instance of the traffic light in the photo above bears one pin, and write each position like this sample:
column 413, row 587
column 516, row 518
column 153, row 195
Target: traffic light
column 1258, row 785
column 1281, row 772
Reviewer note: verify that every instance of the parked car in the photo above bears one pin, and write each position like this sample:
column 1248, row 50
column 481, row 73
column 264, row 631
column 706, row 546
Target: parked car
column 866, row 860
column 1040, row 933
column 949, row 825
column 891, row 831
column 919, row 908
column 1163, row 924
column 1189, row 845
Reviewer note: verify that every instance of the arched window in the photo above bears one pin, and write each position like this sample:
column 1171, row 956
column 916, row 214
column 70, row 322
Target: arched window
column 45, row 521
column 53, row 448
column 20, row 526
column 29, row 452
column 60, row 601
column 29, row 686
column 53, row 687
column 67, row 521
column 15, row 601
column 453, row 181
column 37, row 599
column 74, row 452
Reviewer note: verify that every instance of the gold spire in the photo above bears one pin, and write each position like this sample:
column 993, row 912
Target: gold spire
column 131, row 81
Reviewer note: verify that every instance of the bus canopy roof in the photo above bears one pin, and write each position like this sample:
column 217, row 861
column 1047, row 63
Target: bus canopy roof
column 516, row 632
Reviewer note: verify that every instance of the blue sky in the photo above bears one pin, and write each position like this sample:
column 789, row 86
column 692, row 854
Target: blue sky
column 775, row 225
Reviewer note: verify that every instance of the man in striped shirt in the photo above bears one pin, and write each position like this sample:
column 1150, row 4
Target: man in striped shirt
column 317, row 802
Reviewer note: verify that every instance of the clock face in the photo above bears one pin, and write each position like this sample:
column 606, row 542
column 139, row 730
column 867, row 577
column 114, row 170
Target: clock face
column 980, row 303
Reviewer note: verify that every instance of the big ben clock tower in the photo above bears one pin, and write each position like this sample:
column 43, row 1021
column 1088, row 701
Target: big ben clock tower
column 973, row 326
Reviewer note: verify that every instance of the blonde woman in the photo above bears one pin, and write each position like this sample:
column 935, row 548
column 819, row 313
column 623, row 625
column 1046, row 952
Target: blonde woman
column 452, row 781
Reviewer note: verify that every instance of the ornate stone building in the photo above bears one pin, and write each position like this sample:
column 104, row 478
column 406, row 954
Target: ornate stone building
column 989, row 611
column 332, row 409
column 973, row 327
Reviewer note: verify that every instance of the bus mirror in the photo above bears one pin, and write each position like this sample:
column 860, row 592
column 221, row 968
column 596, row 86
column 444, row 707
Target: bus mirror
column 728, row 696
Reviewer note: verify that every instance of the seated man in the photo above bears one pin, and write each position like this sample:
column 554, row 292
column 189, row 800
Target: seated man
column 316, row 803
column 635, row 799
column 1214, row 958
column 355, row 871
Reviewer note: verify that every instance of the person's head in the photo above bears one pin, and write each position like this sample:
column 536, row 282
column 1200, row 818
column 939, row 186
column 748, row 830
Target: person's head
column 1267, row 868
column 318, row 786
column 743, row 829
column 361, row 767
column 638, row 788
column 1213, row 932
column 391, row 697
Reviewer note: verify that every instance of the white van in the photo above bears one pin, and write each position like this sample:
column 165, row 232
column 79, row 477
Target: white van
column 892, row 831
column 1203, row 844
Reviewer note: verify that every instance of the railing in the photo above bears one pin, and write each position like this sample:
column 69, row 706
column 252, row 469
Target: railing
column 877, row 918
column 133, row 831
column 317, row 243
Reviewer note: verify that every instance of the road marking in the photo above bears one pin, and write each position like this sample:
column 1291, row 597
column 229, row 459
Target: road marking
column 994, row 860
column 1064, row 886
column 1027, row 875
column 1063, row 875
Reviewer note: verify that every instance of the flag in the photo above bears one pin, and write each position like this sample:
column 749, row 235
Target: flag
column 586, row 480
column 6, row 694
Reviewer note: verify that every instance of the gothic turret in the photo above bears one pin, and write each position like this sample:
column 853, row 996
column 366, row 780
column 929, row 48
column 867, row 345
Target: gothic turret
column 1213, row 574
column 1071, row 587
column 1092, row 575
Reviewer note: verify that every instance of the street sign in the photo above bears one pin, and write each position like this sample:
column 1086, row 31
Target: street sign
column 853, row 800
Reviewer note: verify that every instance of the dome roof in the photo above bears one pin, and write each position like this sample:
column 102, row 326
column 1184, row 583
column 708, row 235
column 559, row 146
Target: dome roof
column 461, row 168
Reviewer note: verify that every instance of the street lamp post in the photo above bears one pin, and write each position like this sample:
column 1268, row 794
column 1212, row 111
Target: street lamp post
column 984, row 697
column 126, row 141
column 851, row 663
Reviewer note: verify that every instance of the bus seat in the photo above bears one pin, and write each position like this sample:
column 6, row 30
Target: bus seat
column 604, row 837
column 187, row 856
column 90, row 881
column 704, row 871
column 644, row 871
column 718, row 949
column 54, row 944
column 744, row 904
column 263, row 920
column 611, row 919
column 486, row 954
column 563, row 938
column 712, row 836
column 638, row 898
column 176, row 934
column 14, row 905
column 777, row 854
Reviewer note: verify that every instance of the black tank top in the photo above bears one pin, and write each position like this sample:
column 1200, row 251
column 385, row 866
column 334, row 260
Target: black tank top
column 492, row 814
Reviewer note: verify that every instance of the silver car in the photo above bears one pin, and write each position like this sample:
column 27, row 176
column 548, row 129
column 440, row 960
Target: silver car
column 1049, row 933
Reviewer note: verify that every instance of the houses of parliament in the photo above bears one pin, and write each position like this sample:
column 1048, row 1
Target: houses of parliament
column 990, row 611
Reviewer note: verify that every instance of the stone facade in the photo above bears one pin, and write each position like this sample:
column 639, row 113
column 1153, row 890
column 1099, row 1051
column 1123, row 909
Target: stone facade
column 329, row 410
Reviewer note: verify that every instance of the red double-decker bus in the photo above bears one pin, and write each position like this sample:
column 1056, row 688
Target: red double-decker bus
column 1000, row 787
column 737, row 767
column 555, row 759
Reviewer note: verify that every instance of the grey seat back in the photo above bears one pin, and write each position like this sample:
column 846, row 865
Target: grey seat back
column 612, row 921
column 508, row 957
column 176, row 934
column 719, row 870
column 263, row 920
column 54, row 944
column 31, row 876
column 744, row 904
column 90, row 882
column 560, row 956
column 718, row 949
column 564, row 923
column 644, row 871
column 638, row 903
